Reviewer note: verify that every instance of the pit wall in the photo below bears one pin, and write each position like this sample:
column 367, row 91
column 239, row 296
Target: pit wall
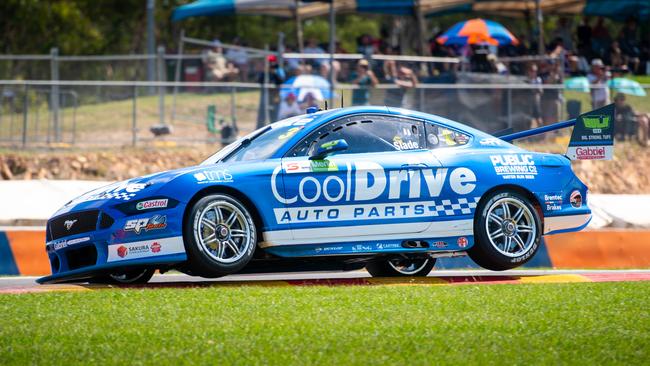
column 22, row 251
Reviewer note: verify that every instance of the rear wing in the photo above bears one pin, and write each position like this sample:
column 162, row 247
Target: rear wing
column 592, row 137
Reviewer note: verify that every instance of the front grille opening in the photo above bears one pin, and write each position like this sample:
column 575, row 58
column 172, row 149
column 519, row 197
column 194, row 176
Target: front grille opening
column 73, row 223
column 81, row 257
column 105, row 221
column 55, row 263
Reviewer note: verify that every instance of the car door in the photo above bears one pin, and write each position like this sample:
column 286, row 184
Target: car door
column 459, row 197
column 373, row 188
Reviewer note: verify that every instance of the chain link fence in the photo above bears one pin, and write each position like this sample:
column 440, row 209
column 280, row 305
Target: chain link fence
column 101, row 113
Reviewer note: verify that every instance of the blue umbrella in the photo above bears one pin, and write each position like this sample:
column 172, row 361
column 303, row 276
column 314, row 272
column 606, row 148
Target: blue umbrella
column 580, row 84
column 302, row 85
column 627, row 86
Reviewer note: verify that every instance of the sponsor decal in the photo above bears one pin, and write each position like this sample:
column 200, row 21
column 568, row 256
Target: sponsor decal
column 143, row 249
column 120, row 191
column 597, row 123
column 122, row 251
column 146, row 205
column 213, row 176
column 361, row 248
column 493, row 141
column 401, row 145
column 310, row 166
column 589, row 153
column 368, row 181
column 149, row 223
column 592, row 152
column 63, row 243
column 68, row 224
column 382, row 246
column 553, row 202
column 292, row 131
column 514, row 166
column 379, row 211
column 576, row 199
column 462, row 242
column 439, row 244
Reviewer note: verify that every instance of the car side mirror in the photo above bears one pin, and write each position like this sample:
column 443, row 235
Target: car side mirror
column 328, row 148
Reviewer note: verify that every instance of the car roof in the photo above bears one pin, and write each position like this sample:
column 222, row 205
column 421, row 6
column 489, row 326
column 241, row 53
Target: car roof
column 314, row 120
column 326, row 116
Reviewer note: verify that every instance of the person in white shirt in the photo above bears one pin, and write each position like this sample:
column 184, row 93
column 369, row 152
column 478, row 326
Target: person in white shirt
column 289, row 107
column 239, row 57
column 598, row 80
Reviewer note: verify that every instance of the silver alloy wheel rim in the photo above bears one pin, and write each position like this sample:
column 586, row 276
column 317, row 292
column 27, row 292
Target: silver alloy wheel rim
column 407, row 266
column 510, row 227
column 224, row 233
column 124, row 277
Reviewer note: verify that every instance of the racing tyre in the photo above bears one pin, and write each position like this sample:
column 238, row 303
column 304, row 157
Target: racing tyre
column 507, row 232
column 401, row 266
column 220, row 236
column 126, row 277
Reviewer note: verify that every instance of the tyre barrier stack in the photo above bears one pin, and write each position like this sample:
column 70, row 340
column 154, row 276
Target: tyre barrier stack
column 22, row 251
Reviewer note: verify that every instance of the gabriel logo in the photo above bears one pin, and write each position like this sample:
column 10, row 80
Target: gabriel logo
column 122, row 251
column 68, row 224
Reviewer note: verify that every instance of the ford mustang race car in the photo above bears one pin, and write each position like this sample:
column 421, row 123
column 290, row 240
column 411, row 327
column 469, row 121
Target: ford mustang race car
column 383, row 188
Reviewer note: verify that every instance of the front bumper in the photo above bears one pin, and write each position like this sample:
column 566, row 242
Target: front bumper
column 105, row 245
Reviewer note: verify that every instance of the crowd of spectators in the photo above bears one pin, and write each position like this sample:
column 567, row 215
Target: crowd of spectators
column 586, row 49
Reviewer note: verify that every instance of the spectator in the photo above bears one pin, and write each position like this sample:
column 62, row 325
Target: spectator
column 289, row 107
column 407, row 81
column 616, row 58
column 629, row 43
column 277, row 77
column 534, row 79
column 629, row 123
column 564, row 32
column 239, row 58
column 365, row 45
column 496, row 66
column 217, row 68
column 584, row 37
column 365, row 79
column 600, row 38
column 552, row 99
column 309, row 101
column 598, row 79
column 313, row 48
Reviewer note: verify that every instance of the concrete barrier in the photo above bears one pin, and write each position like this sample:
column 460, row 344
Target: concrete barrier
column 22, row 251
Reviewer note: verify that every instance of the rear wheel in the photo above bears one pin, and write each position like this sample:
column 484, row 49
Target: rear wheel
column 401, row 266
column 507, row 232
column 220, row 236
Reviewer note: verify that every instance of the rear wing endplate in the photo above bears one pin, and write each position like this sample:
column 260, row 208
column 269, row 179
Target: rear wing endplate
column 592, row 137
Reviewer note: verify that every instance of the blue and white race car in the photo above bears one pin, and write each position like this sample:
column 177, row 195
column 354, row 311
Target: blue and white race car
column 383, row 188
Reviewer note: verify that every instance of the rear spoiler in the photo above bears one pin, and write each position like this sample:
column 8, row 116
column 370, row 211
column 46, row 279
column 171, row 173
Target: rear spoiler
column 592, row 137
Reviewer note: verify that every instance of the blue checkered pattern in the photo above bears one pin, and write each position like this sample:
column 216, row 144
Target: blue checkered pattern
column 464, row 206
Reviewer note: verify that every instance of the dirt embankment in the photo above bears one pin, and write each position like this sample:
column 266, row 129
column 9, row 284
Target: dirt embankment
column 628, row 173
column 113, row 165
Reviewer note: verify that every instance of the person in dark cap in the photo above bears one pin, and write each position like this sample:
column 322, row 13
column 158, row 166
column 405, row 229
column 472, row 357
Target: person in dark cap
column 277, row 76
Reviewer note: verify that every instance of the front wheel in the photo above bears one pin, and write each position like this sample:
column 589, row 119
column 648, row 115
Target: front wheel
column 220, row 236
column 401, row 266
column 507, row 232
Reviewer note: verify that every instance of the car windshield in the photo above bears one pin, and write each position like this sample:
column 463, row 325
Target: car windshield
column 262, row 143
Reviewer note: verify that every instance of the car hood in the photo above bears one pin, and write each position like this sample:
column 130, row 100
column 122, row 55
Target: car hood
column 125, row 191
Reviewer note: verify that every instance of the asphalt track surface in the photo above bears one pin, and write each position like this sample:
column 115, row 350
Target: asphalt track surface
column 15, row 285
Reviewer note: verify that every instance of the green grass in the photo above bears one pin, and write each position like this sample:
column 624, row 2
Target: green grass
column 580, row 323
